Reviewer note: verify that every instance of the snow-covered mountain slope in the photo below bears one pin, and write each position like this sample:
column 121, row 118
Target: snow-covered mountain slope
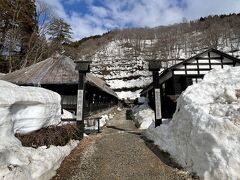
column 123, row 68
column 122, row 63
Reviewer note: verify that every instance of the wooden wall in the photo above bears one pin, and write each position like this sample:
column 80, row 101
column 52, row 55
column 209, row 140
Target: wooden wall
column 95, row 99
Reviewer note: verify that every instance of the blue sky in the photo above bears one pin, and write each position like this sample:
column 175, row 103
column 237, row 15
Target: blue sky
column 91, row 17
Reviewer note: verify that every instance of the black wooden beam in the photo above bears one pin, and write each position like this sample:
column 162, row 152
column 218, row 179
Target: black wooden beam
column 198, row 66
column 206, row 58
column 224, row 63
column 203, row 69
column 209, row 60
column 185, row 69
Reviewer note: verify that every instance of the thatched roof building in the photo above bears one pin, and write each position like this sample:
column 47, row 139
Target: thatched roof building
column 57, row 70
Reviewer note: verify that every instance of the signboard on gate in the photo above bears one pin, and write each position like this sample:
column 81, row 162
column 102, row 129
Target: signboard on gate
column 79, row 105
column 158, row 104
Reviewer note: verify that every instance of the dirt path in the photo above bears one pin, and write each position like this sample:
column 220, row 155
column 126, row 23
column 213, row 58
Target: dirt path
column 121, row 153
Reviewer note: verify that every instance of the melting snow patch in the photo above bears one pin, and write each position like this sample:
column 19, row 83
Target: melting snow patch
column 102, row 122
column 143, row 115
column 204, row 134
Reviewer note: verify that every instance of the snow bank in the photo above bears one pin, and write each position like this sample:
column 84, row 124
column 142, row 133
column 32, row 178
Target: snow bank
column 25, row 163
column 204, row 134
column 102, row 122
column 67, row 115
column 23, row 110
column 142, row 114
column 29, row 108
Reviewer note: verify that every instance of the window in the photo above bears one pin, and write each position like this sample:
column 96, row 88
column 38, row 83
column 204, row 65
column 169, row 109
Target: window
column 196, row 80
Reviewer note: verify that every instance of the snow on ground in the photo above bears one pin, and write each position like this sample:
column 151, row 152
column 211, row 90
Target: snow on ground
column 102, row 122
column 67, row 115
column 204, row 134
column 23, row 110
column 143, row 115
column 26, row 163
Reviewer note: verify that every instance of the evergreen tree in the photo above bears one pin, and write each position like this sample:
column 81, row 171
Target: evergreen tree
column 59, row 31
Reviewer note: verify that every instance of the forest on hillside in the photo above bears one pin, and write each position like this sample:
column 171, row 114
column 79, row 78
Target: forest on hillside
column 30, row 32
column 168, row 42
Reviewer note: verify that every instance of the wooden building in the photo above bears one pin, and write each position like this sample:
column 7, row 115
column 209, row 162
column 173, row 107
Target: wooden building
column 174, row 80
column 58, row 74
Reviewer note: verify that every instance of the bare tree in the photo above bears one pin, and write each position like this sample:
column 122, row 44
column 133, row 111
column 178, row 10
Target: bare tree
column 38, row 45
column 13, row 36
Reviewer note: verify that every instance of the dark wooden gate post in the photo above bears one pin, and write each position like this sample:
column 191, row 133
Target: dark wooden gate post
column 82, row 67
column 154, row 66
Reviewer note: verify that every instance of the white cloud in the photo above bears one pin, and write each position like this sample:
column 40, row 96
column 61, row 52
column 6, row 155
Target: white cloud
column 99, row 11
column 83, row 27
column 72, row 1
column 138, row 13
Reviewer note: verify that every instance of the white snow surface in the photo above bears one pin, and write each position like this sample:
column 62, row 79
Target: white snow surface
column 67, row 115
column 23, row 110
column 26, row 163
column 129, row 94
column 143, row 115
column 124, row 67
column 102, row 122
column 122, row 70
column 28, row 108
column 204, row 134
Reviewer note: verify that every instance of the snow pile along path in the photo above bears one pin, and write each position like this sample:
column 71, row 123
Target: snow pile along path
column 23, row 110
column 102, row 122
column 204, row 134
column 25, row 163
column 143, row 115
column 29, row 108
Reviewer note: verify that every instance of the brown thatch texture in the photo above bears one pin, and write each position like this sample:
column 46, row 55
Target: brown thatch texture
column 54, row 70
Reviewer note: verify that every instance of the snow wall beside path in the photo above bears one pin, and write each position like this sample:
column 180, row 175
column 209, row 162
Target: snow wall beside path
column 142, row 114
column 204, row 134
column 23, row 110
column 28, row 108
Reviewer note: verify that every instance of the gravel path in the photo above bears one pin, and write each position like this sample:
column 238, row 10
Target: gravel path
column 121, row 153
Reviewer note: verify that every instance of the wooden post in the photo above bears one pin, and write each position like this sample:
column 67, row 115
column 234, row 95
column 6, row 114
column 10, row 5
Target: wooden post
column 157, row 98
column 80, row 103
column 154, row 66
column 83, row 67
column 98, row 120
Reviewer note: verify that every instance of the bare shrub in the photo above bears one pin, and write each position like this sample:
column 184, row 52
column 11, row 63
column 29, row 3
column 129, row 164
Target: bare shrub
column 53, row 135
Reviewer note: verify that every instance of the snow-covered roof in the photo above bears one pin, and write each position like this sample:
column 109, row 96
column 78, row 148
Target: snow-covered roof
column 58, row 69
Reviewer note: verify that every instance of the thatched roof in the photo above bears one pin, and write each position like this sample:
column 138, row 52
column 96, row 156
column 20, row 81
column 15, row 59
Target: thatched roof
column 54, row 70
